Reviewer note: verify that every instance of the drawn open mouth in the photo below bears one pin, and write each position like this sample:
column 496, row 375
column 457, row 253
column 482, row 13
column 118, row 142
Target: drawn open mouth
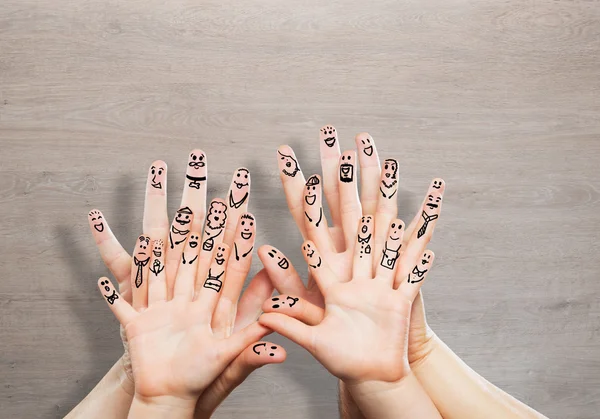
column 310, row 199
column 157, row 253
column 193, row 244
column 99, row 227
column 220, row 260
column 432, row 206
column 157, row 185
column 246, row 235
column 240, row 185
column 283, row 263
column 368, row 150
column 364, row 229
column 424, row 261
column 330, row 141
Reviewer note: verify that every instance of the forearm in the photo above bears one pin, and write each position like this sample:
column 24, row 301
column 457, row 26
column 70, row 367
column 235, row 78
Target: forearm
column 347, row 405
column 460, row 392
column 405, row 399
column 110, row 398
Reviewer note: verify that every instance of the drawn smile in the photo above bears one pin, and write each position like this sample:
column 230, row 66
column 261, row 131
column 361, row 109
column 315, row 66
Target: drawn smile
column 330, row 141
column 310, row 199
column 345, row 169
column 284, row 264
column 368, row 150
column 220, row 260
column 158, row 253
column 394, row 239
column 99, row 227
column 240, row 185
column 193, row 244
column 246, row 235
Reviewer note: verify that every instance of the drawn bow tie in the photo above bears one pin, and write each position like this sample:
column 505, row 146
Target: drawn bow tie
column 419, row 273
column 364, row 240
column 194, row 185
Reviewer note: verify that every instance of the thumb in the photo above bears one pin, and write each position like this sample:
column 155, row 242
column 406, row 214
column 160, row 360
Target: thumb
column 253, row 357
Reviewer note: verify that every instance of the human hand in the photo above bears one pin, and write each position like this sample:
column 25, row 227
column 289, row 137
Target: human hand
column 174, row 351
column 237, row 232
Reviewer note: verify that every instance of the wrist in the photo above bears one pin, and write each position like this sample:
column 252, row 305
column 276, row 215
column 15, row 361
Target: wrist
column 122, row 378
column 162, row 406
column 401, row 399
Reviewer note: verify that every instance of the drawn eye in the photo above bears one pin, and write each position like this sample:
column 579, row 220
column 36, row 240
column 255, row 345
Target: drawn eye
column 160, row 172
column 246, row 176
column 187, row 217
column 251, row 223
column 201, row 157
column 152, row 171
column 238, row 175
column 194, row 157
column 243, row 223
column 386, row 167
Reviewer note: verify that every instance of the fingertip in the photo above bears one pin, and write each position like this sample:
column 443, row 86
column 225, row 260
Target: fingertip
column 362, row 136
column 161, row 163
column 439, row 184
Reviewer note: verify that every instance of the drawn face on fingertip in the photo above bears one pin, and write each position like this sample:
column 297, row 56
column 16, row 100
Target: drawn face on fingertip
column 240, row 187
column 194, row 240
column 220, row 255
column 433, row 202
column 418, row 272
column 264, row 349
column 364, row 235
column 310, row 194
column 97, row 220
column 288, row 164
column 142, row 250
column 395, row 231
column 282, row 261
column 111, row 298
column 183, row 216
column 426, row 259
column 157, row 249
column 196, row 171
column 279, row 302
column 328, row 135
column 347, row 167
column 437, row 184
column 157, row 175
column 390, row 170
column 314, row 261
column 366, row 142
column 246, row 226
column 217, row 215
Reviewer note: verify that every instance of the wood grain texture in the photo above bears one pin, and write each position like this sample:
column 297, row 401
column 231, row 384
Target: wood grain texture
column 502, row 99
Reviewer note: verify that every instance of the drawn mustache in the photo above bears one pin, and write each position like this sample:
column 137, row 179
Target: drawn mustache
column 196, row 164
column 431, row 205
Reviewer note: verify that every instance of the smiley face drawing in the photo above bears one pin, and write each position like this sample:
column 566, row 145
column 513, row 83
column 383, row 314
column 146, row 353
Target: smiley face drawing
column 289, row 301
column 367, row 145
column 196, row 172
column 365, row 238
column 111, row 298
column 417, row 275
column 157, row 175
column 240, row 188
column 346, row 169
column 283, row 263
column 141, row 258
column 389, row 178
column 289, row 164
column 246, row 229
column 310, row 197
column 220, row 256
column 328, row 135
column 179, row 228
column 96, row 220
column 192, row 244
column 215, row 222
column 261, row 348
column 314, row 261
column 391, row 248
column 433, row 203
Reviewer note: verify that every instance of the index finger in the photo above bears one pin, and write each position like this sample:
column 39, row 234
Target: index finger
column 156, row 220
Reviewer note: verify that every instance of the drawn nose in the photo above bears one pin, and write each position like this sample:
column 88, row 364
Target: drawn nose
column 154, row 179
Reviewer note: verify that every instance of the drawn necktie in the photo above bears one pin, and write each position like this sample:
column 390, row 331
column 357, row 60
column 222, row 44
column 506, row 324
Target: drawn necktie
column 427, row 218
column 140, row 264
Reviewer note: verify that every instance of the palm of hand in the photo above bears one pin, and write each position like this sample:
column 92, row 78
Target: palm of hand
column 171, row 351
column 362, row 336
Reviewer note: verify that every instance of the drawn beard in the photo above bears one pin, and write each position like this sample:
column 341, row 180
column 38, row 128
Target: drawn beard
column 288, row 173
column 388, row 186
column 213, row 225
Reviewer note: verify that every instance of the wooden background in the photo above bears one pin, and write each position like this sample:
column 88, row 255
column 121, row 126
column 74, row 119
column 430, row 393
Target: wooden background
column 502, row 99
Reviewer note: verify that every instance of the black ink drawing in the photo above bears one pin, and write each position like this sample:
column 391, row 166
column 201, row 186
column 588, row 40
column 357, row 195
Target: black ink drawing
column 346, row 169
column 437, row 184
column 263, row 346
column 290, row 165
column 110, row 298
column 97, row 216
column 213, row 282
column 157, row 266
column 416, row 273
column 246, row 233
column 310, row 255
column 368, row 149
column 389, row 179
column 365, row 239
column 239, row 193
column 193, row 243
column 157, row 176
column 197, row 172
column 183, row 218
column 391, row 248
column 328, row 136
column 283, row 262
column 290, row 301
column 220, row 256
column 433, row 203
column 311, row 197
column 215, row 222
column 141, row 259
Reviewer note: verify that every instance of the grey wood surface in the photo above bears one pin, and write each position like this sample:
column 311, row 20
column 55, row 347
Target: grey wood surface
column 501, row 99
